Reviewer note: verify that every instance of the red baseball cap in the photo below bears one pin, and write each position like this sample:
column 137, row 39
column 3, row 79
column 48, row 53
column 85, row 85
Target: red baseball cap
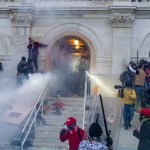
column 145, row 112
column 70, row 120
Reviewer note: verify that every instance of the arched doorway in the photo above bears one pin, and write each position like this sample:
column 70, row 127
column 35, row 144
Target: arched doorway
column 70, row 58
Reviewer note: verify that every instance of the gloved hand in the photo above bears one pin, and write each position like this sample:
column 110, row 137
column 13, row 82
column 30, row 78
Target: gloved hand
column 63, row 131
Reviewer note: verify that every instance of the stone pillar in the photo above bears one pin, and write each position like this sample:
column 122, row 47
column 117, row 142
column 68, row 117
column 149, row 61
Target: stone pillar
column 121, row 19
column 21, row 18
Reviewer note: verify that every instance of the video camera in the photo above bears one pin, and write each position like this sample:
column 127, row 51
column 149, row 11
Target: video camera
column 120, row 93
column 118, row 87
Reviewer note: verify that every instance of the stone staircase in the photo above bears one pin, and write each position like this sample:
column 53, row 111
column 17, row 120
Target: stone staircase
column 47, row 136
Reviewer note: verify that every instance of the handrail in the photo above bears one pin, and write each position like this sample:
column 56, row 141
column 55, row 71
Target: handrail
column 31, row 113
column 34, row 110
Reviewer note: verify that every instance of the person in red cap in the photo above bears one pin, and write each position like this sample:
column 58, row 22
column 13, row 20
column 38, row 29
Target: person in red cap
column 73, row 134
column 33, row 51
column 144, row 133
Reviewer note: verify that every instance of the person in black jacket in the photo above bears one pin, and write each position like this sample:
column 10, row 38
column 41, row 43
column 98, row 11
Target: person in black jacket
column 144, row 133
column 1, row 66
column 22, row 71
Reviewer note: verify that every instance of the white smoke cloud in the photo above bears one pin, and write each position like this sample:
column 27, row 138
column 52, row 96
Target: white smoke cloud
column 25, row 95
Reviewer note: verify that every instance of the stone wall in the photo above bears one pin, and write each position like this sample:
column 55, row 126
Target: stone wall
column 114, row 33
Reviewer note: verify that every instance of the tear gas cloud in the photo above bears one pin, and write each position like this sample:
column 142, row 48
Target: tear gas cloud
column 10, row 95
column 30, row 89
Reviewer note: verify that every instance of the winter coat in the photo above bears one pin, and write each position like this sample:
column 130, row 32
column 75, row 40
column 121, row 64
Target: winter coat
column 129, row 96
column 22, row 68
column 144, row 136
column 33, row 49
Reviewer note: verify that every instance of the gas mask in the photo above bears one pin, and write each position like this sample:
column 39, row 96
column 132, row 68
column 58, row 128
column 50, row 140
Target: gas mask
column 72, row 129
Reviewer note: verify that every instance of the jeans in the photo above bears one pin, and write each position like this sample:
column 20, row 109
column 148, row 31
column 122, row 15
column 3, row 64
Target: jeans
column 139, row 93
column 34, row 60
column 128, row 114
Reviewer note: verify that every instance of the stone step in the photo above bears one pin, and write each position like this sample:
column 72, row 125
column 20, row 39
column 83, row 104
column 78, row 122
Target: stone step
column 50, row 120
column 48, row 136
column 46, row 148
column 48, row 144
column 70, row 103
column 69, row 98
column 70, row 108
column 62, row 118
column 59, row 125
column 9, row 147
column 73, row 107
column 67, row 101
column 47, row 140
column 67, row 113
column 54, row 138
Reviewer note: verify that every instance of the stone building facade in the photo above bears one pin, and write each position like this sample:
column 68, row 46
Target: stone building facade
column 114, row 31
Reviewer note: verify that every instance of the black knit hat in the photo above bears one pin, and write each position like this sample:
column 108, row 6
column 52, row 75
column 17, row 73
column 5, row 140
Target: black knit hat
column 23, row 58
column 95, row 130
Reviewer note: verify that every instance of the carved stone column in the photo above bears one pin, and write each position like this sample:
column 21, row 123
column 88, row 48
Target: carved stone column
column 121, row 19
column 21, row 18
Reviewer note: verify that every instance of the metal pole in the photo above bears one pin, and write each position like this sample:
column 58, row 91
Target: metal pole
column 108, row 139
column 106, row 129
column 85, row 97
column 35, row 119
column 42, row 108
column 137, row 57
column 21, row 144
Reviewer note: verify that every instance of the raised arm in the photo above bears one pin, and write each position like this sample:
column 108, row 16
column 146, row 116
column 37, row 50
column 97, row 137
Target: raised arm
column 42, row 45
column 64, row 135
column 133, row 70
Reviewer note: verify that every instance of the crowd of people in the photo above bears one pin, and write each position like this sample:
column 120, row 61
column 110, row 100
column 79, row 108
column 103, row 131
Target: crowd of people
column 29, row 66
column 138, row 76
column 135, row 93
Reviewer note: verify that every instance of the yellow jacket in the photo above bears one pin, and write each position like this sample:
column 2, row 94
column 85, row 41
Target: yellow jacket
column 129, row 96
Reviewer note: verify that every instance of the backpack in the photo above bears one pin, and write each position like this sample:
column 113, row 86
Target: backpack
column 79, row 134
column 125, row 77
